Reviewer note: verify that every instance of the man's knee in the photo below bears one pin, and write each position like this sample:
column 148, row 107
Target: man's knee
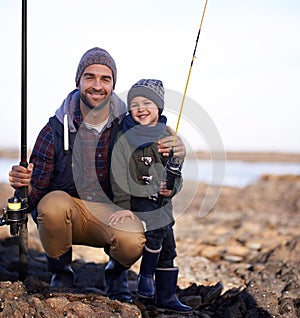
column 54, row 208
column 127, row 247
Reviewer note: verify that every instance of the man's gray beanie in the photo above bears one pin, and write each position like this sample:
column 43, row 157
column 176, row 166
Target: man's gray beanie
column 96, row 56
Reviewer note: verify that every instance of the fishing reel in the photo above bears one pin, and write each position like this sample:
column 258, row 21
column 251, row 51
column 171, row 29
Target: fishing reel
column 173, row 170
column 15, row 215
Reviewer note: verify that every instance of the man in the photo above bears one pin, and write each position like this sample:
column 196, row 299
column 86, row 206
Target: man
column 68, row 178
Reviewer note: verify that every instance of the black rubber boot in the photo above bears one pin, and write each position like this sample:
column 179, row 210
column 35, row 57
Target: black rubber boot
column 147, row 269
column 62, row 272
column 166, row 282
column 117, row 282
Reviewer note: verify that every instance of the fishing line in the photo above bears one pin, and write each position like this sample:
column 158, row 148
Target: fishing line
column 189, row 74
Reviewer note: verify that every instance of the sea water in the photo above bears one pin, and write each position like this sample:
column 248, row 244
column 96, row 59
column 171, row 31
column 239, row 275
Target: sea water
column 234, row 173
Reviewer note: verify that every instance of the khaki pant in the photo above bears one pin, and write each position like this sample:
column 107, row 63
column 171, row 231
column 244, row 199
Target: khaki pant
column 64, row 221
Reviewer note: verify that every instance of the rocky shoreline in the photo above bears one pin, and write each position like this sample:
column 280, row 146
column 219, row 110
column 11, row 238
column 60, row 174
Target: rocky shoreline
column 239, row 260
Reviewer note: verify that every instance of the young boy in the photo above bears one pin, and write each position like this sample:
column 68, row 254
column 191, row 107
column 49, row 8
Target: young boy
column 138, row 183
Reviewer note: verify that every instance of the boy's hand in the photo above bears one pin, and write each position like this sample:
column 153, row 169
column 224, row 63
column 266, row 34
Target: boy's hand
column 163, row 190
column 119, row 217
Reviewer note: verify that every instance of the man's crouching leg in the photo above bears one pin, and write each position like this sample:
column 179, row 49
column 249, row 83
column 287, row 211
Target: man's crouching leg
column 127, row 245
column 55, row 228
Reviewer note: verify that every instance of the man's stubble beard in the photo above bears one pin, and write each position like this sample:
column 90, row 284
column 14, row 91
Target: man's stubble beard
column 92, row 107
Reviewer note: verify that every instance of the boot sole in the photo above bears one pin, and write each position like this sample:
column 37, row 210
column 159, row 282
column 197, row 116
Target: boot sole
column 161, row 309
column 144, row 296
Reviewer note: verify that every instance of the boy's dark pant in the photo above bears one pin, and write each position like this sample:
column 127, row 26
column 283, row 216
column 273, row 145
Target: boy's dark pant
column 163, row 237
column 159, row 235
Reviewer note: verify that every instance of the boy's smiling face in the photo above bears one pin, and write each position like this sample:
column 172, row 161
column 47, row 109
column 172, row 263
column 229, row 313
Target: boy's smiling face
column 144, row 111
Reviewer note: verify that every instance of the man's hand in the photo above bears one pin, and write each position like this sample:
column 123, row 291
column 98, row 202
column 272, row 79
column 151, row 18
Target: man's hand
column 165, row 144
column 20, row 176
column 119, row 217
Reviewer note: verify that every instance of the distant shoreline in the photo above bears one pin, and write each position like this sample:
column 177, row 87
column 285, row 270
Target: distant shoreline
column 202, row 155
column 254, row 156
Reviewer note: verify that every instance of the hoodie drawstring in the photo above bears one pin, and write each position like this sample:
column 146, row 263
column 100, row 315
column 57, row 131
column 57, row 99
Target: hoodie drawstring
column 66, row 133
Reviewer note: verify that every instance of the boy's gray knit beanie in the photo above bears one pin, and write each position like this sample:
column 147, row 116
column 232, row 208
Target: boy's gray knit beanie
column 149, row 88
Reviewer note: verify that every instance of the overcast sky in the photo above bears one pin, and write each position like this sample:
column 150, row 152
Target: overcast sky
column 246, row 75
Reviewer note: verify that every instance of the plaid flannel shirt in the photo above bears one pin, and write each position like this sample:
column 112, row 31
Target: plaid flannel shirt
column 43, row 158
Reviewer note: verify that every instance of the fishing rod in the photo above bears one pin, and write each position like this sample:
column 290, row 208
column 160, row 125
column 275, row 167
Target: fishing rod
column 173, row 167
column 15, row 215
column 189, row 74
column 24, row 190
